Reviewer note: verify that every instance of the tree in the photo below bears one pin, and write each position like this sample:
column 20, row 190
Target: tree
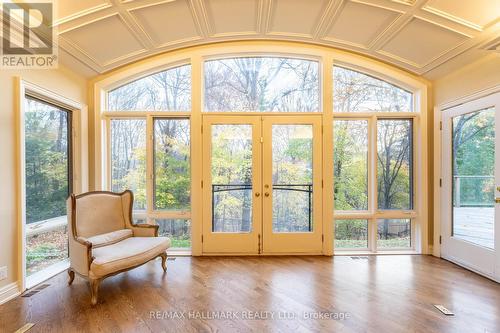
column 394, row 164
column 351, row 164
column 473, row 149
column 261, row 84
column 47, row 161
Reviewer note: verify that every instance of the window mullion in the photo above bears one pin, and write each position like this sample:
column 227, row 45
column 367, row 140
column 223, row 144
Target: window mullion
column 372, row 181
column 372, row 169
column 149, row 164
column 108, row 148
column 372, row 235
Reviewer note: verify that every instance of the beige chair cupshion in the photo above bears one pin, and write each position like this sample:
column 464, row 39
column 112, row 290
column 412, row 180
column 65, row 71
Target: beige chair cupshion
column 104, row 241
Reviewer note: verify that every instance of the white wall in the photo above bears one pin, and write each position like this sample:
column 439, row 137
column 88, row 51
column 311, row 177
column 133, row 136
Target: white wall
column 479, row 75
column 61, row 81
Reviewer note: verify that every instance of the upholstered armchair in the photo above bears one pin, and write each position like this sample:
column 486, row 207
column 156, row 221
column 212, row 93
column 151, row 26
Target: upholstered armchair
column 104, row 241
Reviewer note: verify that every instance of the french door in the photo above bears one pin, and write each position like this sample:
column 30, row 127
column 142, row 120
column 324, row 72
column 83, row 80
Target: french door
column 262, row 184
column 471, row 185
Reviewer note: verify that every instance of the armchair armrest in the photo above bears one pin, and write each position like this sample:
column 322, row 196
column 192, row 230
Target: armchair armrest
column 80, row 252
column 145, row 230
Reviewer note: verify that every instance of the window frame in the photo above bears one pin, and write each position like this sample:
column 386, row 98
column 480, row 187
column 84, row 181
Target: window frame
column 327, row 58
column 373, row 214
column 78, row 145
column 150, row 213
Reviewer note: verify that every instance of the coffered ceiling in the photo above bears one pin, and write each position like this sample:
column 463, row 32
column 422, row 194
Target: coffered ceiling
column 417, row 35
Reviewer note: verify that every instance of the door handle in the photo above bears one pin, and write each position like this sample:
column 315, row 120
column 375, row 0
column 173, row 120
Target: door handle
column 266, row 194
column 497, row 200
column 257, row 194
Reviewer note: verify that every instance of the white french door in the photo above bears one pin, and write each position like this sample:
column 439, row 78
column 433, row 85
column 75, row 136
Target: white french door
column 232, row 200
column 470, row 214
column 292, row 184
column 262, row 184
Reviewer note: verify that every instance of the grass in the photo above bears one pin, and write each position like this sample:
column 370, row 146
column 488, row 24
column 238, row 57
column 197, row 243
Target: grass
column 350, row 243
column 403, row 242
column 392, row 243
column 180, row 243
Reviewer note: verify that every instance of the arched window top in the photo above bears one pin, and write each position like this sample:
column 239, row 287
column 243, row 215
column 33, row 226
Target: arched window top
column 354, row 91
column 262, row 84
column 169, row 90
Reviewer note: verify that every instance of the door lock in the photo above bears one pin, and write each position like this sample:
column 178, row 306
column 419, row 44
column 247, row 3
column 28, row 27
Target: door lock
column 257, row 194
column 266, row 194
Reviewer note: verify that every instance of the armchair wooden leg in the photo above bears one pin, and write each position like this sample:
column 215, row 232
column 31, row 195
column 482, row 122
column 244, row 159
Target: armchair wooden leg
column 71, row 274
column 94, row 290
column 164, row 261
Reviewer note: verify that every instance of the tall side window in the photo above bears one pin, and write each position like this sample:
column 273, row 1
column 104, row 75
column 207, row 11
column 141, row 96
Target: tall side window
column 350, row 164
column 48, row 183
column 161, row 183
column 395, row 170
column 172, row 178
column 128, row 158
column 388, row 114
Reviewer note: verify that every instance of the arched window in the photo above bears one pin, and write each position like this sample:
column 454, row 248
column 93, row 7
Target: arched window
column 357, row 92
column 262, row 84
column 159, row 130
column 169, row 90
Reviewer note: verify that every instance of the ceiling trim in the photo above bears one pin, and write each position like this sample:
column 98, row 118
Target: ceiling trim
column 83, row 13
column 265, row 11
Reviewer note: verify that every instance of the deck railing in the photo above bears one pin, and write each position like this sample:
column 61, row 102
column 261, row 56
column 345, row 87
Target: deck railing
column 305, row 188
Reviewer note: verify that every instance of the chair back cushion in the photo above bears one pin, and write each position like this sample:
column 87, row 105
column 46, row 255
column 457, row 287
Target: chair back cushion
column 99, row 213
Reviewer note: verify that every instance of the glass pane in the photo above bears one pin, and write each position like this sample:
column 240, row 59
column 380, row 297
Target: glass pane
column 179, row 232
column 48, row 183
column 394, row 170
column 351, row 234
column 128, row 158
column 231, row 178
column 350, row 164
column 357, row 92
column 292, row 178
column 169, row 90
column 473, row 177
column 171, row 165
column 394, row 233
column 262, row 84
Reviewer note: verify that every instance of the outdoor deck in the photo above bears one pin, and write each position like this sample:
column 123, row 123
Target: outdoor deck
column 475, row 225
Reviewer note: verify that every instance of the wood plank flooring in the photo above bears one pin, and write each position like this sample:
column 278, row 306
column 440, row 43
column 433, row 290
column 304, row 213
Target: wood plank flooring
column 269, row 294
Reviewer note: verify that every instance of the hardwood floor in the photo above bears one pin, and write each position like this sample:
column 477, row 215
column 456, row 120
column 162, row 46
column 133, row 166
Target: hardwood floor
column 379, row 294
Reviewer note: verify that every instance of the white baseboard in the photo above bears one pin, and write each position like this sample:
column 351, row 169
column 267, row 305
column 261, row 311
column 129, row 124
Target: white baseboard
column 9, row 292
